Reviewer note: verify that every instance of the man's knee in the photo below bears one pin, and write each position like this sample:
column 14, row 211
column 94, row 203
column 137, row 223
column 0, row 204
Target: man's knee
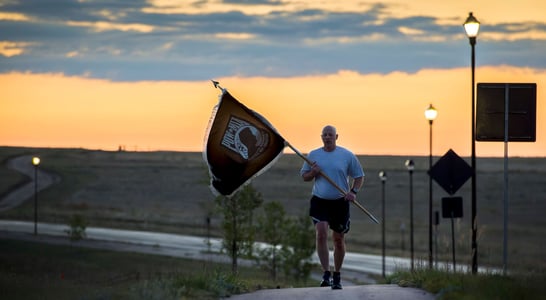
column 321, row 230
column 339, row 240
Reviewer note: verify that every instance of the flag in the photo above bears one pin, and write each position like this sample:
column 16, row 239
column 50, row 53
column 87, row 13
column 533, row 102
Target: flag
column 240, row 144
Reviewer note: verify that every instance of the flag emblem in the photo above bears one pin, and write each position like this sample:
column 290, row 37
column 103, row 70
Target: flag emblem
column 244, row 139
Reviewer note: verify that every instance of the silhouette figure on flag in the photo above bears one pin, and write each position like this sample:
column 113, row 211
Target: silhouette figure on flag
column 240, row 145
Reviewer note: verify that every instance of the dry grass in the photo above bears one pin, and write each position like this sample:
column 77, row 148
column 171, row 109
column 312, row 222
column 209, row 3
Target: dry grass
column 168, row 191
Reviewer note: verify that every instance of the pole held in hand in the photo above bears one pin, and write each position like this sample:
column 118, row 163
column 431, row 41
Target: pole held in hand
column 333, row 183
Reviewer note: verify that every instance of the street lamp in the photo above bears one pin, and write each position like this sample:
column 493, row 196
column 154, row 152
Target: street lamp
column 472, row 27
column 410, row 166
column 383, row 177
column 35, row 162
column 430, row 115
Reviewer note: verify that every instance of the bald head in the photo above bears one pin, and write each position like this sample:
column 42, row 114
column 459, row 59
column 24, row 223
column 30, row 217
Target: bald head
column 329, row 128
column 329, row 137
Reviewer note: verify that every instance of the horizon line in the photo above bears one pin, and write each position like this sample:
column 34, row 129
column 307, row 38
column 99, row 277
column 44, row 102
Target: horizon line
column 200, row 151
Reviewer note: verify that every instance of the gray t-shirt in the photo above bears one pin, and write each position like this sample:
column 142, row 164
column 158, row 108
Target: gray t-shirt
column 339, row 165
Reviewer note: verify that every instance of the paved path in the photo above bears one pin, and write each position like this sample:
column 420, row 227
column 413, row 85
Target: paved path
column 361, row 292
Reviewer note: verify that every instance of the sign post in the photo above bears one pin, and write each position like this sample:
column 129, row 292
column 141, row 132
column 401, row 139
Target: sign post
column 451, row 172
column 506, row 112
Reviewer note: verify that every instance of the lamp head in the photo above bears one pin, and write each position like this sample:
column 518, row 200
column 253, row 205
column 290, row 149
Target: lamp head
column 383, row 175
column 431, row 113
column 410, row 165
column 36, row 160
column 471, row 26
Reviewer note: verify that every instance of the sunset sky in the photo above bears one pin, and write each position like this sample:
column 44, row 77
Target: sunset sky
column 103, row 74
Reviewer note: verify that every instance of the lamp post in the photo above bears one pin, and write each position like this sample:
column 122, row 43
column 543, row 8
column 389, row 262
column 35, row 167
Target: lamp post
column 383, row 177
column 35, row 162
column 472, row 27
column 410, row 166
column 430, row 115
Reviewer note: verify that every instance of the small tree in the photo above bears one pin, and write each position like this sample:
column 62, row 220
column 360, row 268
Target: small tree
column 298, row 247
column 291, row 242
column 237, row 224
column 272, row 226
column 77, row 224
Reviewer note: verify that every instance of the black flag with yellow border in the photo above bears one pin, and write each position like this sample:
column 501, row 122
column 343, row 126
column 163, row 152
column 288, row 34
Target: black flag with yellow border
column 240, row 144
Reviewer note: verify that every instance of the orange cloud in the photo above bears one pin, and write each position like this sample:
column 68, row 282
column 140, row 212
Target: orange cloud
column 107, row 26
column 9, row 49
column 13, row 16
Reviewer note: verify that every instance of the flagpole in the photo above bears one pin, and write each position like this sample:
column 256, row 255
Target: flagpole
column 217, row 84
column 333, row 183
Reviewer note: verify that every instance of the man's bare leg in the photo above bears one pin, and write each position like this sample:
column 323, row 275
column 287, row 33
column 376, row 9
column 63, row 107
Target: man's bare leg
column 339, row 250
column 339, row 255
column 321, row 229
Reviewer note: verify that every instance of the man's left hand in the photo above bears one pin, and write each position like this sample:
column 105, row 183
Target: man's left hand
column 350, row 196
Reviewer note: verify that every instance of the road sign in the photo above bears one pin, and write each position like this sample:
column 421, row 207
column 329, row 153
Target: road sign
column 450, row 172
column 452, row 207
column 506, row 112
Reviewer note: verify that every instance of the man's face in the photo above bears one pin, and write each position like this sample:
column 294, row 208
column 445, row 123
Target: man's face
column 329, row 136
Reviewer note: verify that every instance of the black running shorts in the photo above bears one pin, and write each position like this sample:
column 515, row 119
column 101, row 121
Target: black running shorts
column 335, row 212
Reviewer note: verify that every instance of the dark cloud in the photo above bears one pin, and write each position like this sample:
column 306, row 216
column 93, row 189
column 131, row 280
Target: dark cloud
column 63, row 10
column 194, row 46
column 44, row 32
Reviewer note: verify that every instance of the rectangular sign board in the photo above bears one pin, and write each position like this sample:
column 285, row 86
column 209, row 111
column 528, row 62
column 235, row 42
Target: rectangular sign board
column 491, row 108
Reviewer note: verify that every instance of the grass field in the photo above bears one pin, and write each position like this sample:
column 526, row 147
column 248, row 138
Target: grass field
column 32, row 270
column 168, row 192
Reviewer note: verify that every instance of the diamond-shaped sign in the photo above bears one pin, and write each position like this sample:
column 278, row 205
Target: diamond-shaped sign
column 451, row 172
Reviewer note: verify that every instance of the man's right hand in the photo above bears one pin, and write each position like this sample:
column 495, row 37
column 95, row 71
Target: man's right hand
column 315, row 169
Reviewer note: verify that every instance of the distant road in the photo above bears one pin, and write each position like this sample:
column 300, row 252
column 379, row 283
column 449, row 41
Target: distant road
column 23, row 164
column 117, row 239
column 174, row 245
column 192, row 247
